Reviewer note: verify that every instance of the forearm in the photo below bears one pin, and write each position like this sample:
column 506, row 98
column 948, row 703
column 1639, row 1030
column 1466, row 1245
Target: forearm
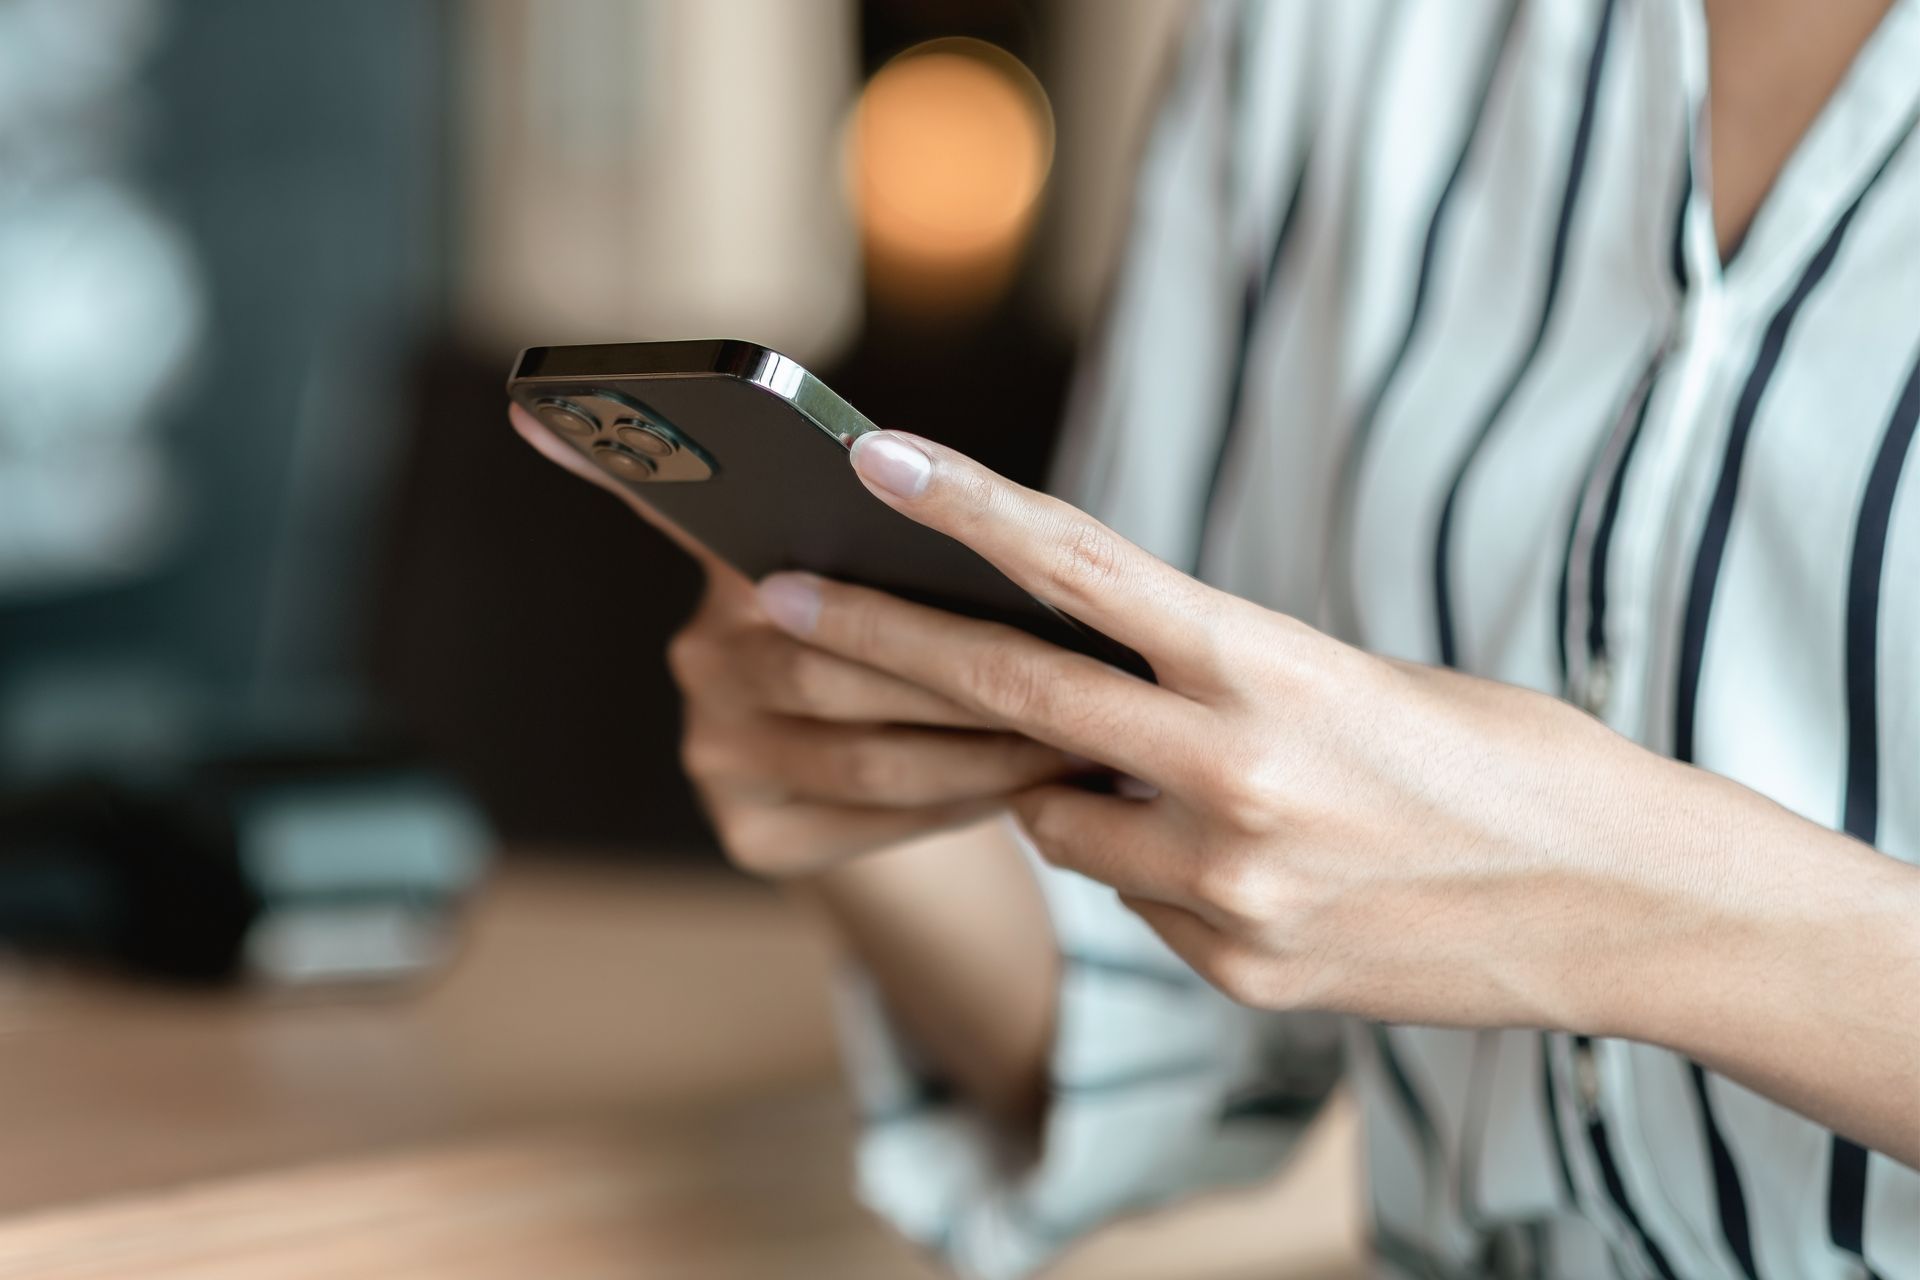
column 955, row 933
column 1666, row 904
column 1784, row 956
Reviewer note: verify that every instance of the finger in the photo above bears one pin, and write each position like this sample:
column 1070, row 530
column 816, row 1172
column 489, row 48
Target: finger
column 889, row 768
column 1119, row 842
column 1206, row 950
column 560, row 453
column 782, row 675
column 1074, row 702
column 1051, row 548
column 803, row 839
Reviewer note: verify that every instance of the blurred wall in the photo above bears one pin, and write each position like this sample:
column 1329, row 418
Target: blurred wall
column 298, row 151
column 89, row 263
column 1109, row 60
column 378, row 201
column 657, row 170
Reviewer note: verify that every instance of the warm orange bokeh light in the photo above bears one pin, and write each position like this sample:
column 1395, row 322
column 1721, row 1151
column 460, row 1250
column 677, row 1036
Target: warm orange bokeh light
column 948, row 151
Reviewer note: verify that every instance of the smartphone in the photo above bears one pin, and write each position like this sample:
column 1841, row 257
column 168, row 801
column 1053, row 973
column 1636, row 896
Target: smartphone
column 747, row 451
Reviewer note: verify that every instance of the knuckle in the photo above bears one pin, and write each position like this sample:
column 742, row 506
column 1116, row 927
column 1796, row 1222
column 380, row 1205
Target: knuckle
column 704, row 659
column 753, row 846
column 1008, row 684
column 859, row 624
column 1238, row 973
column 1215, row 641
column 805, row 680
column 687, row 654
column 1088, row 560
column 866, row 770
column 1045, row 826
column 974, row 499
column 1235, row 885
column 705, row 754
column 1247, row 792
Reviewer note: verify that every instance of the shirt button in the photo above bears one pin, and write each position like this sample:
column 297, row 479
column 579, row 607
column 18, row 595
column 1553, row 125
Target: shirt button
column 1586, row 1077
column 1599, row 686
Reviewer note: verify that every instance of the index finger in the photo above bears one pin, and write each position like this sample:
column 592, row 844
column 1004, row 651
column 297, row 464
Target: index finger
column 1050, row 548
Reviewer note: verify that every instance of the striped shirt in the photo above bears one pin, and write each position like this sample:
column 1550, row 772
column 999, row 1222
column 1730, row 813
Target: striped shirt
column 1423, row 334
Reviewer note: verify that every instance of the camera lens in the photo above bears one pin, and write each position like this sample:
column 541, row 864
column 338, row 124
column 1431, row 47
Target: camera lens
column 567, row 418
column 622, row 462
column 641, row 438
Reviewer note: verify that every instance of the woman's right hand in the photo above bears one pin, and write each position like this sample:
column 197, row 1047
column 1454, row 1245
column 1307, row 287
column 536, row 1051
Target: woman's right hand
column 803, row 758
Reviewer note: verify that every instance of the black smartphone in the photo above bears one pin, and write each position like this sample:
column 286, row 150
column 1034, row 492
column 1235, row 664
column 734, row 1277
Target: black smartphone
column 747, row 451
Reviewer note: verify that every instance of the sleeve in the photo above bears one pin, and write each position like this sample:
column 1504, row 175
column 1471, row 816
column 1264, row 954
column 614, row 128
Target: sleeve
column 1160, row 1087
column 1162, row 347
column 1226, row 153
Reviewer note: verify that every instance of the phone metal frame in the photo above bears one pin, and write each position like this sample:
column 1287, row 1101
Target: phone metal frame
column 545, row 370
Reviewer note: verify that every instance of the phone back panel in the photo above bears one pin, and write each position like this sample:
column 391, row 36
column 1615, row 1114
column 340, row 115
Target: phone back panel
column 781, row 494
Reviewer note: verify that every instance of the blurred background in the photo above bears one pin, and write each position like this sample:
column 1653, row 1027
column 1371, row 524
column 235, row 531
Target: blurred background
column 263, row 268
column 292, row 689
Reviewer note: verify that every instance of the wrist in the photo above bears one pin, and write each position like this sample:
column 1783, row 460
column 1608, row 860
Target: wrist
column 1738, row 914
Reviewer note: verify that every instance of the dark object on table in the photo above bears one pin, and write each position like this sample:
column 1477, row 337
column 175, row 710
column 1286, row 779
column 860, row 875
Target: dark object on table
column 287, row 869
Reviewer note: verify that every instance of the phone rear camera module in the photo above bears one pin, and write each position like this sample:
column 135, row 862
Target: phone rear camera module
column 566, row 418
column 635, row 444
column 641, row 438
column 624, row 463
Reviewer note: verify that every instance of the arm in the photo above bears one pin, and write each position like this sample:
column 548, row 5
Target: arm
column 955, row 934
column 1319, row 828
column 1794, row 967
column 1697, row 915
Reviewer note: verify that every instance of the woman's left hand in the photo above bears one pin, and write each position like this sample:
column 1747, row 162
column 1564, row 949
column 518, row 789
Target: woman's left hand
column 1319, row 827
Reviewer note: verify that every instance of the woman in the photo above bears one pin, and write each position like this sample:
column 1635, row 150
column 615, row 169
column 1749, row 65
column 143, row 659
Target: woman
column 1560, row 362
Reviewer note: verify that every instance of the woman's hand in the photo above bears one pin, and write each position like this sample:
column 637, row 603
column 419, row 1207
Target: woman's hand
column 1320, row 828
column 1325, row 828
column 804, row 758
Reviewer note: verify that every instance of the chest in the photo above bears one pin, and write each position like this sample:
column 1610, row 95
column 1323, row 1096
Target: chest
column 1568, row 450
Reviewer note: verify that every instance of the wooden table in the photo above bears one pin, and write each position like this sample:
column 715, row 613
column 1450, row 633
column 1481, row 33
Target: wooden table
column 626, row 1074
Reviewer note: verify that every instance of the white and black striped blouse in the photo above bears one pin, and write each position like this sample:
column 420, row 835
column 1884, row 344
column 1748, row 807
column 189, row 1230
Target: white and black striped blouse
column 1423, row 334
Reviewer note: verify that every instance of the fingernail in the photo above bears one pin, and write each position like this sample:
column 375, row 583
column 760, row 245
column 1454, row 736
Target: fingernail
column 884, row 459
column 1134, row 789
column 792, row 600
